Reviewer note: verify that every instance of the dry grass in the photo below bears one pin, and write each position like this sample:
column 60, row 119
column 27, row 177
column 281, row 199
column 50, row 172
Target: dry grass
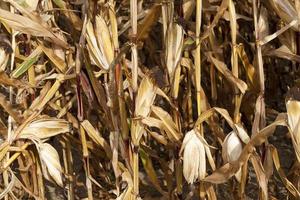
column 133, row 99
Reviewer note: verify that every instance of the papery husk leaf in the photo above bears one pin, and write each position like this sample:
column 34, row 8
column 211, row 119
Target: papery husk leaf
column 50, row 159
column 174, row 44
column 194, row 160
column 145, row 98
column 231, row 148
column 104, row 39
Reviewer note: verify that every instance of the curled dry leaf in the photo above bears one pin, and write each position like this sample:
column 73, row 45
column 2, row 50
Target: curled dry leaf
column 291, row 188
column 285, row 10
column 94, row 135
column 228, row 74
column 45, row 128
column 7, row 81
column 260, row 174
column 148, row 22
column 284, row 52
column 50, row 160
column 169, row 125
column 10, row 109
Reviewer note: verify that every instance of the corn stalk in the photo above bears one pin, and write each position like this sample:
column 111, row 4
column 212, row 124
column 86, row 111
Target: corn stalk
column 198, row 55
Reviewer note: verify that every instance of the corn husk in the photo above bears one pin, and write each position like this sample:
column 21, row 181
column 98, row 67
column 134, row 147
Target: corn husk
column 50, row 161
column 194, row 159
column 293, row 113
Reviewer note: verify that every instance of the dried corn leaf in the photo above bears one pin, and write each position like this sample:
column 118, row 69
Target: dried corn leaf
column 271, row 37
column 168, row 124
column 4, row 147
column 247, row 65
column 188, row 8
column 45, row 128
column 51, row 92
column 222, row 8
column 284, row 52
column 30, row 5
column 149, row 168
column 10, row 109
column 292, row 189
column 260, row 174
column 152, row 122
column 57, row 61
column 8, row 187
column 160, row 138
column 285, row 9
column 30, row 60
column 6, row 80
column 263, row 25
column 239, row 130
column 95, row 136
column 228, row 75
column 148, row 22
column 28, row 26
